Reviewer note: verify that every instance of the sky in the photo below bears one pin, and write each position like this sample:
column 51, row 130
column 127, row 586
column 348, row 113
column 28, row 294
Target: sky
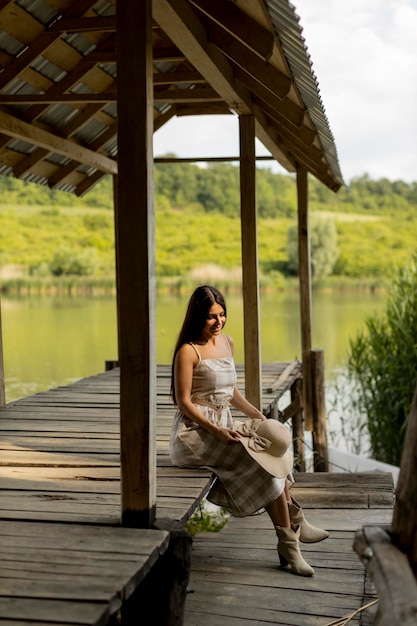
column 364, row 57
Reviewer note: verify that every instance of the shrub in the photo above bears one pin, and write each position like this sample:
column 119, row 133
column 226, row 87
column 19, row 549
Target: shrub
column 382, row 365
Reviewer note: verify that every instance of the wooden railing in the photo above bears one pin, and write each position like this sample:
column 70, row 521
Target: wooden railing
column 307, row 408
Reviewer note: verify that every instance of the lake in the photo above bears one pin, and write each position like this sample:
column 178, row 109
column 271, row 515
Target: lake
column 54, row 340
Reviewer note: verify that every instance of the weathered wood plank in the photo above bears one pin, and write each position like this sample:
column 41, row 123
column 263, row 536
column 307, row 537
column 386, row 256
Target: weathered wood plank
column 393, row 577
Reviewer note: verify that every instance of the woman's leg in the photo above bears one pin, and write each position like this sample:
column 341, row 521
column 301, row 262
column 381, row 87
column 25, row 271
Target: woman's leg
column 278, row 511
column 288, row 538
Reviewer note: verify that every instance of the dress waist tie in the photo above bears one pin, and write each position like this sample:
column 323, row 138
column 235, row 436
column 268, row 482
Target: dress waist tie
column 217, row 406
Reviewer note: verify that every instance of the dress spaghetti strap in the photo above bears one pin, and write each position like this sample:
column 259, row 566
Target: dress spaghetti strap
column 196, row 351
column 228, row 344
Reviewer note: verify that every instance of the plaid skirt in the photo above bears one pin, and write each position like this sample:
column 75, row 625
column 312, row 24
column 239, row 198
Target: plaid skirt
column 242, row 486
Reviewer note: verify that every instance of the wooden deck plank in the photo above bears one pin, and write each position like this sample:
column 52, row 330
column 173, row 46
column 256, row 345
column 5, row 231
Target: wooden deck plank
column 235, row 574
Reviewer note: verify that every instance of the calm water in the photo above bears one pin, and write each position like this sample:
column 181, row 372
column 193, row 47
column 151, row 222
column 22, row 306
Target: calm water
column 51, row 341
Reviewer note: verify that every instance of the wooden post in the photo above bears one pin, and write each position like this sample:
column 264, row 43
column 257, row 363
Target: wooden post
column 250, row 280
column 304, row 272
column 135, row 258
column 404, row 523
column 297, row 428
column 2, row 377
column 321, row 453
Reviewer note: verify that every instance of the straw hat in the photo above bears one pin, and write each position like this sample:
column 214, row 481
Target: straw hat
column 267, row 441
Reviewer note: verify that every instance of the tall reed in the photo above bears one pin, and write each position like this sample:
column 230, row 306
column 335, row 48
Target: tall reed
column 382, row 365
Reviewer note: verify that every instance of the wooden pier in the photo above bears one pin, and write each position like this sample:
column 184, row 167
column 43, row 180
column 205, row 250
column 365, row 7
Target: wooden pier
column 235, row 574
column 67, row 560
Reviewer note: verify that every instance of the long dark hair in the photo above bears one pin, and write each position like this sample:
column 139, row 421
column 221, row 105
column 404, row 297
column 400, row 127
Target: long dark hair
column 199, row 305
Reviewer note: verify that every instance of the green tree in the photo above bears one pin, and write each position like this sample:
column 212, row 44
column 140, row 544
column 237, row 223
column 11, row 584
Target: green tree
column 69, row 262
column 323, row 247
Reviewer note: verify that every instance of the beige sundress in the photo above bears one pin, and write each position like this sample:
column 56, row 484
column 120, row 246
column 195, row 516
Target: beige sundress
column 241, row 485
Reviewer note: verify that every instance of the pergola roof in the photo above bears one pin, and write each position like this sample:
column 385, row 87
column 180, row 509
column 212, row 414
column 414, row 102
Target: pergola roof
column 58, row 83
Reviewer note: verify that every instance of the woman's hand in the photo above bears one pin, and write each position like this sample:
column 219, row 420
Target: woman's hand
column 226, row 435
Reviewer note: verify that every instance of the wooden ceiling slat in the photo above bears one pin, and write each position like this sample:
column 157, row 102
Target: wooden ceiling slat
column 294, row 114
column 46, row 98
column 238, row 24
column 102, row 23
column 178, row 77
column 242, row 57
column 20, row 24
column 72, row 78
column 88, row 183
column 184, row 95
column 26, row 58
column 168, row 54
column 302, row 133
column 62, row 173
column 187, row 32
column 28, row 162
column 203, row 108
column 5, row 3
column 40, row 44
column 70, row 167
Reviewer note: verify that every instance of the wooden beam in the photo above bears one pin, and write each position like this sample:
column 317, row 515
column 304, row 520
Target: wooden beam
column 65, row 171
column 14, row 127
column 293, row 114
column 237, row 23
column 203, row 108
column 135, row 260
column 104, row 23
column 242, row 57
column 180, row 23
column 175, row 95
column 88, row 183
column 250, row 279
column 178, row 77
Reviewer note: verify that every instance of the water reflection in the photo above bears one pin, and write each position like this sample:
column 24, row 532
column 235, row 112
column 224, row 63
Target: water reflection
column 52, row 341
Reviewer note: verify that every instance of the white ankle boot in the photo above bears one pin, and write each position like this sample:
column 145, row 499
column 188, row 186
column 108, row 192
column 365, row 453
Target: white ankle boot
column 289, row 551
column 308, row 533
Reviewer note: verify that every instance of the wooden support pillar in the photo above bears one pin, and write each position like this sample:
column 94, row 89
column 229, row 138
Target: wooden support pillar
column 297, row 427
column 2, row 376
column 250, row 279
column 321, row 453
column 135, row 251
column 304, row 272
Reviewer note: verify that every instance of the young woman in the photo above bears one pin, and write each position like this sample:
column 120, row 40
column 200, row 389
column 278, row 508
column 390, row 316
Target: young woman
column 251, row 459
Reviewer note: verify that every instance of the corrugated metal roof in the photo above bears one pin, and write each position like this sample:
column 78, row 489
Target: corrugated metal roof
column 289, row 31
column 62, row 63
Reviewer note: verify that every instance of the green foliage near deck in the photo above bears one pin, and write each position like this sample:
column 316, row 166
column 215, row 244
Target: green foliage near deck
column 382, row 367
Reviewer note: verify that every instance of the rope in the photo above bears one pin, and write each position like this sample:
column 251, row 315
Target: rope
column 315, row 454
column 341, row 621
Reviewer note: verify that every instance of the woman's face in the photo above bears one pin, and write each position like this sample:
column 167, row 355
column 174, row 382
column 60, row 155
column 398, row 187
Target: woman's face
column 215, row 321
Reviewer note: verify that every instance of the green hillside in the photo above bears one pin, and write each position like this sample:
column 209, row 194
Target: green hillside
column 370, row 227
